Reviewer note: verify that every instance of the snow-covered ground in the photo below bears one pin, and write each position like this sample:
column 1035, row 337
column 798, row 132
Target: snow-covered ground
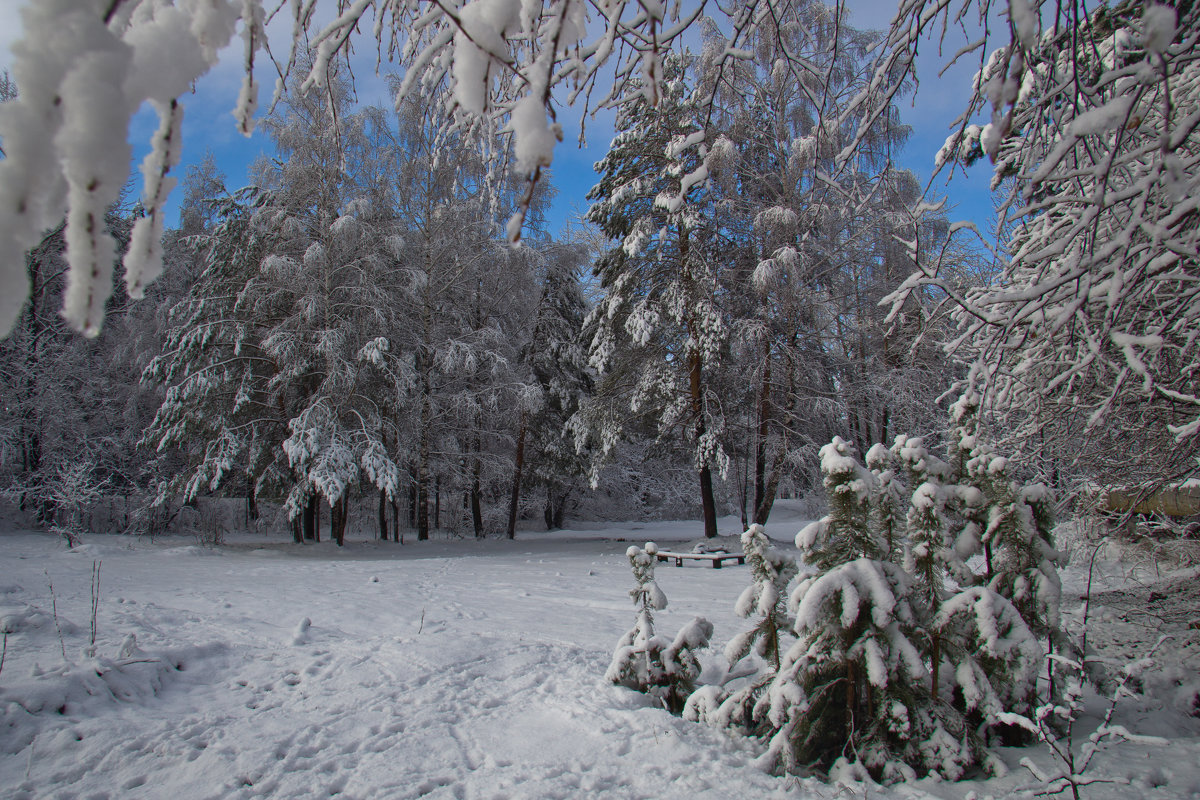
column 447, row 669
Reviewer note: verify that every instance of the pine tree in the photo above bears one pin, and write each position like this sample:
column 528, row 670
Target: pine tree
column 771, row 572
column 887, row 515
column 666, row 670
column 659, row 324
column 846, row 532
column 856, row 680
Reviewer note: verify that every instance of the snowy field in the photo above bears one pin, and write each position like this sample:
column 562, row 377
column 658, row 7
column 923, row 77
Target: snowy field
column 446, row 669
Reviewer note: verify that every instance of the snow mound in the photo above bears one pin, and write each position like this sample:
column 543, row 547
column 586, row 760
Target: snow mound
column 74, row 690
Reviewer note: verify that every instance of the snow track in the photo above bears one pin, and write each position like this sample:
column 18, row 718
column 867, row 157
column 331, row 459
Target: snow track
column 467, row 669
column 417, row 677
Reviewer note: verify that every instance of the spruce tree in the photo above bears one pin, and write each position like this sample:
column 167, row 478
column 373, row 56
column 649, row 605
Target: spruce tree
column 771, row 572
column 856, row 680
column 664, row 669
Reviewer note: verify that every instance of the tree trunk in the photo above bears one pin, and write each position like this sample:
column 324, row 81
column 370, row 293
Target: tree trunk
column 396, row 523
column 707, row 500
column 310, row 520
column 422, row 511
column 763, row 510
column 423, row 476
column 424, row 356
column 760, row 440
column 515, row 498
column 475, row 500
column 437, row 502
column 412, row 502
column 338, row 513
column 851, row 697
column 696, row 392
column 298, row 528
column 383, row 525
column 935, row 658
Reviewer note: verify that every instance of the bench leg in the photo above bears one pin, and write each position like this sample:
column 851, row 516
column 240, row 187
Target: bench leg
column 679, row 562
column 716, row 563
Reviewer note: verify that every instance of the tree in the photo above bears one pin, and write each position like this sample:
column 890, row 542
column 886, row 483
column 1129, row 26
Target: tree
column 1089, row 316
column 501, row 63
column 62, row 396
column 267, row 354
column 771, row 572
column 468, row 308
column 666, row 670
column 557, row 357
column 660, row 279
column 857, row 680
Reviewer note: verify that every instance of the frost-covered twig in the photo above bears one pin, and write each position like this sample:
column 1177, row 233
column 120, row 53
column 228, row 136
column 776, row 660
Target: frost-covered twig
column 1073, row 775
column 54, row 613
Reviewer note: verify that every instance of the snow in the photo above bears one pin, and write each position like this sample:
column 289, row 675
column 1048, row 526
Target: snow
column 1158, row 27
column 1025, row 22
column 448, row 668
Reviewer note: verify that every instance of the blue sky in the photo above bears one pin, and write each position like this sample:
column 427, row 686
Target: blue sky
column 209, row 126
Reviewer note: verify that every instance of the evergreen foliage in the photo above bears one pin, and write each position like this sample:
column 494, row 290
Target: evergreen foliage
column 664, row 669
column 904, row 656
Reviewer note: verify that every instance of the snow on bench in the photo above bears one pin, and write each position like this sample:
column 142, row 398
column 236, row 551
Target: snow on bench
column 716, row 559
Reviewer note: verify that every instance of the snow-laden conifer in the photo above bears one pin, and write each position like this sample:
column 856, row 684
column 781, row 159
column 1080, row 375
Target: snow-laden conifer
column 845, row 533
column 994, row 655
column 887, row 504
column 665, row 669
column 856, row 681
column 771, row 572
column 1021, row 561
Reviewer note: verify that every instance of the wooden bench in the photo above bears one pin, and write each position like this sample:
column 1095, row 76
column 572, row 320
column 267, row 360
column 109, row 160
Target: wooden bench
column 716, row 559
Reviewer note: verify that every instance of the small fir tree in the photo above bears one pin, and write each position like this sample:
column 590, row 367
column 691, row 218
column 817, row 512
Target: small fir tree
column 845, row 533
column 856, row 680
column 887, row 517
column 666, row 670
column 771, row 572
column 1018, row 544
column 994, row 654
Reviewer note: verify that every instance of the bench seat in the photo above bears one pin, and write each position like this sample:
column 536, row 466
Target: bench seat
column 716, row 559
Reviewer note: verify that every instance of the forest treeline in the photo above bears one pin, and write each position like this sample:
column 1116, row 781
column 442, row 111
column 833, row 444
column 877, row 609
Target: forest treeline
column 355, row 324
column 757, row 275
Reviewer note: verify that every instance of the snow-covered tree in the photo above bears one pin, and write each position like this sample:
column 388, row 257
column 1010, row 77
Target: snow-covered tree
column 215, row 409
column 886, row 513
column 267, row 355
column 771, row 573
column 994, row 656
column 85, row 68
column 557, row 357
column 845, row 533
column 1084, row 336
column 856, row 680
column 658, row 332
column 66, row 398
column 900, row 668
column 665, row 669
